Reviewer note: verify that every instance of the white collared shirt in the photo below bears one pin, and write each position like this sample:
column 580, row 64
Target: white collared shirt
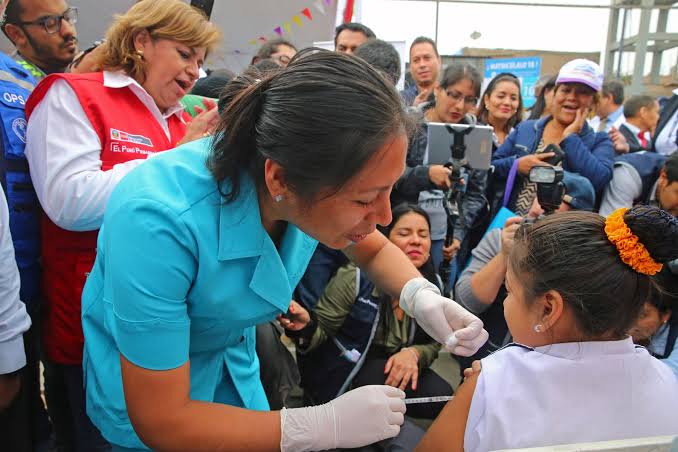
column 636, row 130
column 614, row 119
column 570, row 393
column 665, row 142
column 64, row 154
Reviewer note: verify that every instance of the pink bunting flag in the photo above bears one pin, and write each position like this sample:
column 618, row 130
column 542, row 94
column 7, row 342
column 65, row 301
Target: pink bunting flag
column 278, row 30
column 320, row 7
column 262, row 39
column 307, row 12
column 297, row 20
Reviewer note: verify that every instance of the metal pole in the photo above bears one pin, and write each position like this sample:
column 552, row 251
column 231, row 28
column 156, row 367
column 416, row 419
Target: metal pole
column 621, row 43
column 641, row 47
column 437, row 9
column 657, row 56
column 612, row 28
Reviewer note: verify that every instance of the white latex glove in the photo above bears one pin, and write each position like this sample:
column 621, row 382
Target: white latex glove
column 444, row 320
column 360, row 417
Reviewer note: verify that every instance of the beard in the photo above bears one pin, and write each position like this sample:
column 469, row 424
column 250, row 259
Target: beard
column 48, row 56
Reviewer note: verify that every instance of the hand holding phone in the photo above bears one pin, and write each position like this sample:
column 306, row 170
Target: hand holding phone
column 558, row 154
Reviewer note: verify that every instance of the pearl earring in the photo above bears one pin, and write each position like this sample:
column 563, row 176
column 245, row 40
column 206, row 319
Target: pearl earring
column 278, row 198
column 537, row 328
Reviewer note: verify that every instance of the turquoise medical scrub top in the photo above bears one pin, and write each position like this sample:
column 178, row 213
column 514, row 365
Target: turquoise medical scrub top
column 180, row 276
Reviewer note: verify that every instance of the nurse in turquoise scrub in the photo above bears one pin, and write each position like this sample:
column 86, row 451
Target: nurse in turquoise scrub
column 202, row 243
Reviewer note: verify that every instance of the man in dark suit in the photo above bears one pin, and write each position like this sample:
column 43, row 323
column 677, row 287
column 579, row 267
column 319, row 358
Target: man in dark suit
column 665, row 140
column 642, row 114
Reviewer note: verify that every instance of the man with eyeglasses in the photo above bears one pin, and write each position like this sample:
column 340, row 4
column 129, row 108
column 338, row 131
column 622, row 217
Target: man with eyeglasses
column 44, row 36
column 43, row 33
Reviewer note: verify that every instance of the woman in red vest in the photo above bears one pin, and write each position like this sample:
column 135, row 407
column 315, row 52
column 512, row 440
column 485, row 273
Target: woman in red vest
column 85, row 133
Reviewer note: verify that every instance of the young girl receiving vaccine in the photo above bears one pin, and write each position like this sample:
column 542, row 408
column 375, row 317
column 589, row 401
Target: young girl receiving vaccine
column 576, row 283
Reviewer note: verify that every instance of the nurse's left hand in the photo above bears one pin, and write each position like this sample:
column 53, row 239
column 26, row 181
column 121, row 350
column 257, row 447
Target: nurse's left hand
column 297, row 317
column 444, row 320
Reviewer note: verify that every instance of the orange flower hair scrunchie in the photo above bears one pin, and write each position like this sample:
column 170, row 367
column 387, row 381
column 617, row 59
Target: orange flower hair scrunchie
column 631, row 251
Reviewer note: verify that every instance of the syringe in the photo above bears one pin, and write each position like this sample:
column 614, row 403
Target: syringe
column 428, row 399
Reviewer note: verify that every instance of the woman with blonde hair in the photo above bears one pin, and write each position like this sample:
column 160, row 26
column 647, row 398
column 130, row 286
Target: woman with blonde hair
column 85, row 132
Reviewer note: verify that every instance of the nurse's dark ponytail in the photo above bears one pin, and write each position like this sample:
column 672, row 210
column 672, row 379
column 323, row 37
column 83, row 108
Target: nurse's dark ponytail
column 321, row 119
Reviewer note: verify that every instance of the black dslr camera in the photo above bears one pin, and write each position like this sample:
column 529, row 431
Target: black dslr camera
column 550, row 187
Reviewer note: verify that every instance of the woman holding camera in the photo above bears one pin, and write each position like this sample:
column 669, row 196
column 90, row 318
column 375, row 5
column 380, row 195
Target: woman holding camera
column 585, row 152
column 455, row 101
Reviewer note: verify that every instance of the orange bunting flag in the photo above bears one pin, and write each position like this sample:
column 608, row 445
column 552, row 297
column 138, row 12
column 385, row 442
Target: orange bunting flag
column 307, row 12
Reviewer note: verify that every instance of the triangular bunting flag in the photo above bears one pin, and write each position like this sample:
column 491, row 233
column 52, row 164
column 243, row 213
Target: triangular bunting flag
column 262, row 39
column 319, row 6
column 307, row 12
column 278, row 30
column 328, row 2
column 288, row 27
column 252, row 42
column 297, row 20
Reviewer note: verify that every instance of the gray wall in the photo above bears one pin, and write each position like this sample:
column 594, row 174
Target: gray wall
column 239, row 21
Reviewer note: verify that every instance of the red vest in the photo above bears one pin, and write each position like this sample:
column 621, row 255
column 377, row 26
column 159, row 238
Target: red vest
column 127, row 131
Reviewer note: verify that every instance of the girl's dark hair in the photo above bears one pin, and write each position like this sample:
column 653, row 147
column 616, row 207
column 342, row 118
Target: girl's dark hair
column 569, row 252
column 540, row 104
column 321, row 119
column 457, row 72
column 666, row 298
column 483, row 113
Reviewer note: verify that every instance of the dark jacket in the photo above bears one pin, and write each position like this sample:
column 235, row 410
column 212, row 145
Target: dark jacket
column 350, row 326
column 588, row 153
column 633, row 141
column 648, row 166
column 669, row 110
column 17, row 83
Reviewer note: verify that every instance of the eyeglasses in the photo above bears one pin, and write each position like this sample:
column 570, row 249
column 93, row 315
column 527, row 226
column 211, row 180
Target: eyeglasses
column 52, row 24
column 456, row 96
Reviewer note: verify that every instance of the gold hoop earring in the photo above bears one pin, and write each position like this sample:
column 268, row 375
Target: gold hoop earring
column 140, row 54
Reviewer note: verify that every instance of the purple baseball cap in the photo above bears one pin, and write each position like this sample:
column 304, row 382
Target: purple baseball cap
column 581, row 71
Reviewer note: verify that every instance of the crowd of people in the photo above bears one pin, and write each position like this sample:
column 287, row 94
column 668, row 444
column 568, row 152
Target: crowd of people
column 168, row 231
